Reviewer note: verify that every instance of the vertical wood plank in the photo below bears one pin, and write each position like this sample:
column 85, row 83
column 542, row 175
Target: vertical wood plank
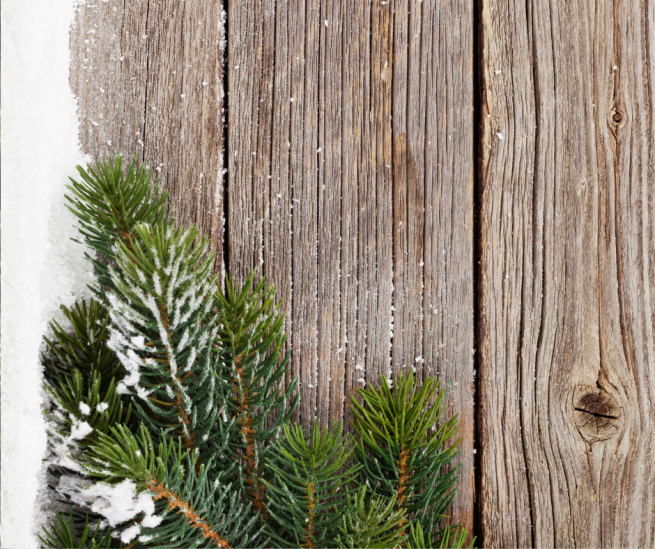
column 433, row 210
column 277, row 253
column 148, row 77
column 380, row 326
column 371, row 123
column 245, row 182
column 108, row 74
column 567, row 281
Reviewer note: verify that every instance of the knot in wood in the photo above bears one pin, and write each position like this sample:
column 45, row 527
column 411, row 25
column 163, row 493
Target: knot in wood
column 596, row 413
column 616, row 117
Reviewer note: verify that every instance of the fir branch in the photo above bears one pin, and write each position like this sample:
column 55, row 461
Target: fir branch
column 62, row 534
column 79, row 413
column 84, row 348
column 110, row 203
column 162, row 331
column 373, row 522
column 452, row 537
column 192, row 506
column 250, row 332
column 309, row 493
column 402, row 448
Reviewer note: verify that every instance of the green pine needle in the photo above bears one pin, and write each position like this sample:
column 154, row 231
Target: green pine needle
column 62, row 535
column 452, row 537
column 198, row 508
column 372, row 522
column 83, row 348
column 163, row 333
column 75, row 404
column 403, row 447
column 109, row 203
column 250, row 333
column 308, row 497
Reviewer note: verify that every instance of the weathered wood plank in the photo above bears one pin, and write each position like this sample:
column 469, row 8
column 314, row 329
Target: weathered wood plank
column 245, row 182
column 372, row 121
column 379, row 329
column 278, row 258
column 148, row 77
column 567, row 356
column 433, row 209
column 106, row 47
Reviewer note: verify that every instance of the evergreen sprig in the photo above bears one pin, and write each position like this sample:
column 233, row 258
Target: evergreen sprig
column 372, row 522
column 250, row 331
column 403, row 448
column 63, row 535
column 452, row 538
column 109, row 203
column 163, row 334
column 85, row 348
column 76, row 405
column 308, row 498
column 191, row 508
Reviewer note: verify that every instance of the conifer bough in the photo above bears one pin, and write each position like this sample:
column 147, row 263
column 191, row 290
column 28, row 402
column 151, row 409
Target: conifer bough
column 170, row 415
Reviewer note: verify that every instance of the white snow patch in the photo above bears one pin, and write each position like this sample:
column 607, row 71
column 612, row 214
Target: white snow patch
column 133, row 531
column 84, row 409
column 117, row 503
column 43, row 268
column 80, row 430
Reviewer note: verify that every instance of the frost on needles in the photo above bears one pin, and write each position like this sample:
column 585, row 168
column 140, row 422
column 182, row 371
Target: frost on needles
column 170, row 421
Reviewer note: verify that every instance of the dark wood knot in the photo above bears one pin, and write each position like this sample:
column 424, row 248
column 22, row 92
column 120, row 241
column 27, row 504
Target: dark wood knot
column 596, row 413
column 616, row 117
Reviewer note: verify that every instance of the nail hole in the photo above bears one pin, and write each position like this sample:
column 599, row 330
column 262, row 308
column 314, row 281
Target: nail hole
column 616, row 117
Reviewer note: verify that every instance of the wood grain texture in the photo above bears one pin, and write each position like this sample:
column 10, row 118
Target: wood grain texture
column 368, row 194
column 567, row 365
column 148, row 78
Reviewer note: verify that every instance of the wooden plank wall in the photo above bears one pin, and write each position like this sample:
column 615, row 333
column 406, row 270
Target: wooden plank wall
column 567, row 286
column 350, row 146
